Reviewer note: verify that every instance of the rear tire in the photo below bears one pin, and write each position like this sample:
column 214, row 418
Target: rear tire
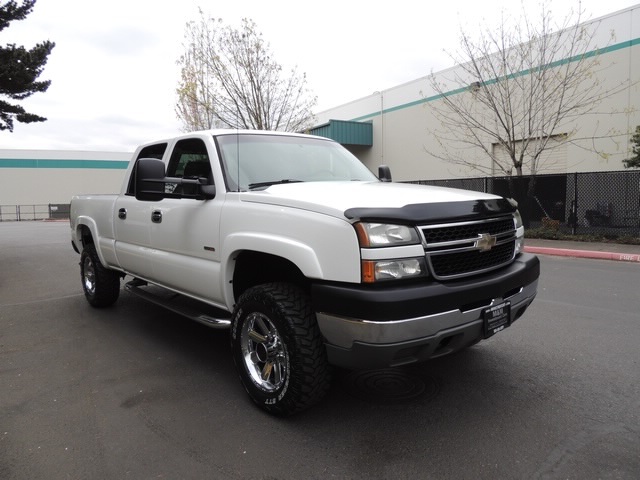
column 278, row 349
column 101, row 285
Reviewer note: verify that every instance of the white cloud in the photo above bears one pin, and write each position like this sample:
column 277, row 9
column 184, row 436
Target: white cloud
column 114, row 71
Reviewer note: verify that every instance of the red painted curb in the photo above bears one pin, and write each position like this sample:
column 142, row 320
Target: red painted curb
column 622, row 257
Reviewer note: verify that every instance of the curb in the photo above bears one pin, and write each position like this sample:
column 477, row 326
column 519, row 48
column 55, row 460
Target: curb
column 621, row 257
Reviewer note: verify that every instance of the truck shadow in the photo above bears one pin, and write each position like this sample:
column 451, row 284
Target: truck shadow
column 475, row 372
column 369, row 420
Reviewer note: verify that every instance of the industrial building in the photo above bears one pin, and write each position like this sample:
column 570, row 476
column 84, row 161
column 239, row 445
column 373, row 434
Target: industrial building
column 36, row 184
column 393, row 127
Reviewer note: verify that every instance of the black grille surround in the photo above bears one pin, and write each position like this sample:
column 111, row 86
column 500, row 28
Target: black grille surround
column 458, row 250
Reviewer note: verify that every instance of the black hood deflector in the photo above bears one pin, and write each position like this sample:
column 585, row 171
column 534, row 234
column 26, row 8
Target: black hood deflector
column 429, row 213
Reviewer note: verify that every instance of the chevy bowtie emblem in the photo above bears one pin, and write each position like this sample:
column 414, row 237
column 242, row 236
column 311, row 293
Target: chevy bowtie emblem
column 485, row 242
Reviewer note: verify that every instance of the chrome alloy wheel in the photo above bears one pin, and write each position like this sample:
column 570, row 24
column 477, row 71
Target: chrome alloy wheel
column 264, row 353
column 89, row 276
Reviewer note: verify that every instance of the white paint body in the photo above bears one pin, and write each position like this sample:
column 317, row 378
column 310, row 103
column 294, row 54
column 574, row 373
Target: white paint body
column 192, row 250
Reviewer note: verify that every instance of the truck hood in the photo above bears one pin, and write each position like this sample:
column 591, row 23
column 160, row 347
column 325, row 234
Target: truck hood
column 401, row 201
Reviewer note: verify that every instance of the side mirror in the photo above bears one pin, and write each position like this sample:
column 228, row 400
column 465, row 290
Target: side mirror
column 149, row 174
column 208, row 192
column 384, row 173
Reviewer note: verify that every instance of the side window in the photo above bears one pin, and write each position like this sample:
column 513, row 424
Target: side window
column 153, row 151
column 189, row 159
column 150, row 151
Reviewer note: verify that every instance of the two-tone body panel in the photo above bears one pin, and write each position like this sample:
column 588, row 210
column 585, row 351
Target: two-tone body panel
column 450, row 256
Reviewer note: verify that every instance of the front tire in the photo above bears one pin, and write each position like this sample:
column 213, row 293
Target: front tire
column 101, row 285
column 278, row 349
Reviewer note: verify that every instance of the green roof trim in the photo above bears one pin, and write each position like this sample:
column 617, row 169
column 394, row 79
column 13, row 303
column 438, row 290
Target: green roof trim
column 557, row 63
column 346, row 132
column 42, row 163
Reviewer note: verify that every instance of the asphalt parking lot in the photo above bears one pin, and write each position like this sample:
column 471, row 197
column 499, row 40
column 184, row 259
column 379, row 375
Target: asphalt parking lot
column 134, row 391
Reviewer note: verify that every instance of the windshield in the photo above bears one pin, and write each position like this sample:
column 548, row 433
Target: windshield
column 253, row 162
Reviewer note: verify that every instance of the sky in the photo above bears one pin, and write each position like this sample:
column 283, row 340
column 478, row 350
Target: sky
column 114, row 72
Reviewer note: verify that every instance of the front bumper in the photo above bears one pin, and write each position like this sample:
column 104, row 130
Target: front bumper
column 372, row 328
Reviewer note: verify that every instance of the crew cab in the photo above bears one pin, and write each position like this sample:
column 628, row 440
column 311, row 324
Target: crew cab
column 308, row 258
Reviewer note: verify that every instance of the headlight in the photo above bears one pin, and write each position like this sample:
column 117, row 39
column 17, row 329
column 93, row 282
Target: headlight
column 396, row 269
column 518, row 219
column 519, row 231
column 371, row 235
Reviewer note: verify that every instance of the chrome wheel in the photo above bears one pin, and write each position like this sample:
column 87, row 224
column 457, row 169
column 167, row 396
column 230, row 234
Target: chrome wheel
column 101, row 285
column 89, row 276
column 278, row 349
column 264, row 353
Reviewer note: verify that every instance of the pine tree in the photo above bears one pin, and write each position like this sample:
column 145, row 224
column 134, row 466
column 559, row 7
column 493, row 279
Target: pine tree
column 20, row 68
column 634, row 162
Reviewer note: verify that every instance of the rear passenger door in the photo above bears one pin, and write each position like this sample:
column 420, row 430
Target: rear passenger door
column 133, row 222
column 184, row 232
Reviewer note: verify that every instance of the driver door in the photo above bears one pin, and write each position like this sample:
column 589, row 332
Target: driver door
column 184, row 232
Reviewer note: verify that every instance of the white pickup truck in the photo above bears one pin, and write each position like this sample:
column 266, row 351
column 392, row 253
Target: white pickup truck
column 306, row 256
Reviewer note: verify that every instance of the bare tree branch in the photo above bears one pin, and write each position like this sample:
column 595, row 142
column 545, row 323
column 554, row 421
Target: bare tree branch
column 516, row 92
column 230, row 79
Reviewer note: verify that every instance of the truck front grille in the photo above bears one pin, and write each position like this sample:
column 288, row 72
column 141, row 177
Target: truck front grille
column 463, row 249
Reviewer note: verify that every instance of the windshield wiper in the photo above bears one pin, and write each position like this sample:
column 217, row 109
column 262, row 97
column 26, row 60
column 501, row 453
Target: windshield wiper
column 253, row 186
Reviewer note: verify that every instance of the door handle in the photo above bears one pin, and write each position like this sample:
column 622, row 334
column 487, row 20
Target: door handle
column 122, row 213
column 156, row 216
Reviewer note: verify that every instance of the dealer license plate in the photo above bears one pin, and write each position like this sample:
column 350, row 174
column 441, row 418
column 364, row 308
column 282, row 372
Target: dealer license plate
column 496, row 318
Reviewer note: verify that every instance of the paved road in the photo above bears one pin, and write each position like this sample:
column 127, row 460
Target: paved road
column 135, row 392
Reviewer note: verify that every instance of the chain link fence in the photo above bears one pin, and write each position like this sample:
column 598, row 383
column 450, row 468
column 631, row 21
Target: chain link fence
column 17, row 213
column 595, row 203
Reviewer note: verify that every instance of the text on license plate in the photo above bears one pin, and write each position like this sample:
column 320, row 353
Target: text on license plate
column 496, row 318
